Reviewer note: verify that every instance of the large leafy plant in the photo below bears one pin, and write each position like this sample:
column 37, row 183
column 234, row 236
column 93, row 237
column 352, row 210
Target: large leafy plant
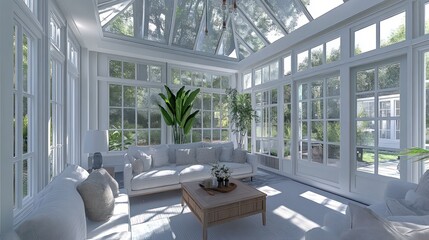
column 416, row 154
column 177, row 112
column 241, row 113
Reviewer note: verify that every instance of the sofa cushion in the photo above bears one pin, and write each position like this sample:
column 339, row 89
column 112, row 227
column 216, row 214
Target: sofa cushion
column 141, row 162
column 194, row 172
column 117, row 227
column 185, row 156
column 97, row 197
column 239, row 155
column 159, row 156
column 172, row 149
column 113, row 184
column 219, row 147
column 226, row 154
column 206, row 155
column 58, row 211
column 156, row 177
column 239, row 168
column 365, row 224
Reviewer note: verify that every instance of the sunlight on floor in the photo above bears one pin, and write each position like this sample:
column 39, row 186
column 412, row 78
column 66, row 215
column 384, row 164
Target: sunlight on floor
column 297, row 219
column 269, row 190
column 327, row 202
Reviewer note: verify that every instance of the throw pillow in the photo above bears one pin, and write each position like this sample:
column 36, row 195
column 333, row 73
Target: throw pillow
column 113, row 184
column 159, row 156
column 185, row 156
column 143, row 162
column 419, row 198
column 206, row 155
column 226, row 154
column 239, row 155
column 366, row 224
column 97, row 197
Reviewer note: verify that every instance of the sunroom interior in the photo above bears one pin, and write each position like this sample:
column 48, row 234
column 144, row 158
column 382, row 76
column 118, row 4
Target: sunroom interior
column 339, row 86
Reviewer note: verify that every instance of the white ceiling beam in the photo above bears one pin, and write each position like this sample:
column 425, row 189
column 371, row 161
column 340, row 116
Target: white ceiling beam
column 172, row 25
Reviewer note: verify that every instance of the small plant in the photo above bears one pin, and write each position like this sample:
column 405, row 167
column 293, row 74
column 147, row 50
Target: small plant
column 221, row 172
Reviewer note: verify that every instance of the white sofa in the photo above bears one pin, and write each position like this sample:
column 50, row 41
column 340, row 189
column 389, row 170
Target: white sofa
column 59, row 213
column 391, row 211
column 170, row 176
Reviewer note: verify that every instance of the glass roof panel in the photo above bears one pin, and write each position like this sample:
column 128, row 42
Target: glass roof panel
column 108, row 9
column 226, row 44
column 319, row 7
column 261, row 20
column 288, row 13
column 123, row 23
column 182, row 23
column 187, row 22
column 246, row 32
column 242, row 51
column 157, row 19
column 209, row 42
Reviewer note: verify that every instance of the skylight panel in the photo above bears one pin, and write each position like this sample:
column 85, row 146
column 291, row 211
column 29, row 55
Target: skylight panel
column 290, row 16
column 157, row 19
column 226, row 45
column 242, row 51
column 208, row 42
column 319, row 7
column 107, row 10
column 263, row 22
column 123, row 23
column 187, row 22
column 246, row 32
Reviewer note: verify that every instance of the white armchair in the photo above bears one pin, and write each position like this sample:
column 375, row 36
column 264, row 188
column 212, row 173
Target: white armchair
column 336, row 224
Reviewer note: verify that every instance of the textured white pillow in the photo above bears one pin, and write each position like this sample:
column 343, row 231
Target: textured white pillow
column 159, row 156
column 365, row 224
column 419, row 198
column 239, row 155
column 185, row 156
column 206, row 155
column 142, row 162
column 113, row 184
column 226, row 154
column 97, row 197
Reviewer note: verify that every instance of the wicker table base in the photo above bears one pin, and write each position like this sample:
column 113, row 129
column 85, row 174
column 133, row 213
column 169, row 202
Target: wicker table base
column 212, row 209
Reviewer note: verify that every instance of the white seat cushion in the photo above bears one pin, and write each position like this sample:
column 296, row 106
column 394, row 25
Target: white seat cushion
column 194, row 172
column 238, row 168
column 155, row 177
column 118, row 224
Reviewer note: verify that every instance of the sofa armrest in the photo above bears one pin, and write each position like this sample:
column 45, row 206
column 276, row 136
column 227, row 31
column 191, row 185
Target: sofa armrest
column 396, row 189
column 253, row 160
column 128, row 176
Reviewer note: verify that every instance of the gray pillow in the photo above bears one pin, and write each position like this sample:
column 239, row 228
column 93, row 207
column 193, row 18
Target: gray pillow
column 226, row 154
column 97, row 197
column 142, row 162
column 185, row 156
column 137, row 166
column 239, row 155
column 206, row 155
column 159, row 155
column 113, row 184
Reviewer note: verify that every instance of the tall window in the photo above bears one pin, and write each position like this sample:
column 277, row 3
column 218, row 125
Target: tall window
column 319, row 120
column 266, row 126
column 212, row 120
column 56, row 99
column 324, row 53
column 24, row 131
column 287, row 120
column 267, row 73
column 377, row 118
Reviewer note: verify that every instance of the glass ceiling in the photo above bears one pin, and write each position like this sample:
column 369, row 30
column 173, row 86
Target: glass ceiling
column 182, row 24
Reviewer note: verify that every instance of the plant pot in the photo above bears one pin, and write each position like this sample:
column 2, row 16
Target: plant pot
column 219, row 182
column 226, row 182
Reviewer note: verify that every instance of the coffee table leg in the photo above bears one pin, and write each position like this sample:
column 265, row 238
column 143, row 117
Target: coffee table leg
column 264, row 207
column 204, row 233
column 264, row 219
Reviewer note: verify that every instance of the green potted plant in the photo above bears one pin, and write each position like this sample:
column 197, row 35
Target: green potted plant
column 416, row 154
column 177, row 112
column 241, row 114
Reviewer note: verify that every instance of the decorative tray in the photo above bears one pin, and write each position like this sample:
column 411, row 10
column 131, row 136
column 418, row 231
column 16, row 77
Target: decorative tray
column 207, row 185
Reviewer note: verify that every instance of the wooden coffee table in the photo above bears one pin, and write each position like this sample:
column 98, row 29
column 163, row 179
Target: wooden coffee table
column 213, row 207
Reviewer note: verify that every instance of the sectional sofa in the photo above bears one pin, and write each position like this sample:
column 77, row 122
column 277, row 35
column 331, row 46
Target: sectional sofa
column 59, row 213
column 160, row 168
